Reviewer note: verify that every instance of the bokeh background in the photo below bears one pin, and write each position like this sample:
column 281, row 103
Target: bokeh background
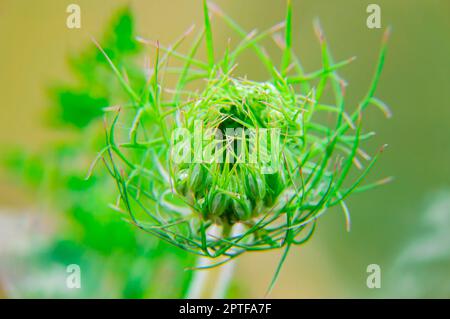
column 50, row 218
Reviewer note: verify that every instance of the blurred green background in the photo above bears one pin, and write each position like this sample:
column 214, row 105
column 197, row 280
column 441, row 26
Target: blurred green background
column 49, row 217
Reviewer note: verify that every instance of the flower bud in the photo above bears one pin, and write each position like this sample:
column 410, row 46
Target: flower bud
column 196, row 177
column 242, row 209
column 276, row 183
column 255, row 186
column 181, row 181
column 217, row 203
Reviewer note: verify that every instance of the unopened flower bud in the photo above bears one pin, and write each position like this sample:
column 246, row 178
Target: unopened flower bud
column 181, row 182
column 242, row 209
column 255, row 186
column 196, row 178
column 217, row 203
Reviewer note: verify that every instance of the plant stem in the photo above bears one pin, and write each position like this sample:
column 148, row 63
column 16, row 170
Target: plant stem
column 227, row 271
column 225, row 276
column 200, row 278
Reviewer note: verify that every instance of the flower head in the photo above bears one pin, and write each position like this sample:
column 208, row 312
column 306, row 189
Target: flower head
column 270, row 156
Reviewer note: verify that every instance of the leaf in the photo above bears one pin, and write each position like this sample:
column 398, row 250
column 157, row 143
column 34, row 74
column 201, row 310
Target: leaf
column 79, row 108
column 209, row 39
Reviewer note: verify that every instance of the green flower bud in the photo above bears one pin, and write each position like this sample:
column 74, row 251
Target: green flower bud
column 255, row 186
column 217, row 203
column 196, row 178
column 242, row 209
column 181, row 181
column 276, row 183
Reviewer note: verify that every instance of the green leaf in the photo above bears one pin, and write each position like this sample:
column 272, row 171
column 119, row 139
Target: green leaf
column 79, row 108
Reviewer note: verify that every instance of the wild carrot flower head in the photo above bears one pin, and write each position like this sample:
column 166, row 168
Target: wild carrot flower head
column 193, row 164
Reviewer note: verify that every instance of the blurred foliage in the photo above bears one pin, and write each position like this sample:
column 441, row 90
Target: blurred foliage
column 116, row 259
column 421, row 270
